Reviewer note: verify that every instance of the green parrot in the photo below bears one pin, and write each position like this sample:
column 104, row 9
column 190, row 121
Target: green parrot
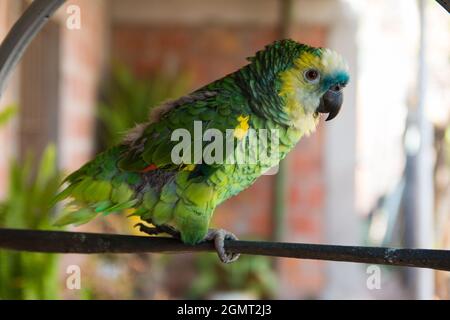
column 284, row 88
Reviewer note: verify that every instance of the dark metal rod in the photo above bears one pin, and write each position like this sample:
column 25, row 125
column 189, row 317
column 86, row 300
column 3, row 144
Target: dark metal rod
column 445, row 4
column 21, row 35
column 89, row 243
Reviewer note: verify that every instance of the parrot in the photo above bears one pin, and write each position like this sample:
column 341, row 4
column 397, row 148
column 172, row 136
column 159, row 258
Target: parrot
column 286, row 87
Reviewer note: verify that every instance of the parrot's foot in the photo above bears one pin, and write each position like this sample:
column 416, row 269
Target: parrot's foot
column 153, row 231
column 219, row 236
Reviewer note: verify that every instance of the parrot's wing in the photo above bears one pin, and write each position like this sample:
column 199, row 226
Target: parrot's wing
column 150, row 146
column 109, row 182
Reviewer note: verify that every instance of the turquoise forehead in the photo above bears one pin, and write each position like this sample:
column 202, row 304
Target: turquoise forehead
column 340, row 77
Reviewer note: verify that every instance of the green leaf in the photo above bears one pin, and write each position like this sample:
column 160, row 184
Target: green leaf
column 7, row 114
column 47, row 167
column 28, row 206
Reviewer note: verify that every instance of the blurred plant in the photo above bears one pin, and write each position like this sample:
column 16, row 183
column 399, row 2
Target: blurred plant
column 30, row 275
column 128, row 99
column 7, row 113
column 252, row 275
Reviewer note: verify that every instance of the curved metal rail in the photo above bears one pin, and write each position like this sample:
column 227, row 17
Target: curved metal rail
column 21, row 35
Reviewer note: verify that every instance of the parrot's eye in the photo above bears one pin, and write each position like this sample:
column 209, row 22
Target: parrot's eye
column 312, row 75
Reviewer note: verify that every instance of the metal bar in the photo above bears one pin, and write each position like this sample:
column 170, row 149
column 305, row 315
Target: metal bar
column 90, row 243
column 445, row 4
column 22, row 33
column 424, row 193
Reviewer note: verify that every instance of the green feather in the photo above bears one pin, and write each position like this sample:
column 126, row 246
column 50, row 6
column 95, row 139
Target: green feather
column 121, row 194
column 150, row 199
column 121, row 206
column 102, row 206
column 162, row 213
column 80, row 188
column 67, row 192
column 77, row 218
column 97, row 191
column 169, row 193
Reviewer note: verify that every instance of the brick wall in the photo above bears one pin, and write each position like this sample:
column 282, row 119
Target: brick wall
column 212, row 51
column 83, row 57
column 83, row 53
column 82, row 60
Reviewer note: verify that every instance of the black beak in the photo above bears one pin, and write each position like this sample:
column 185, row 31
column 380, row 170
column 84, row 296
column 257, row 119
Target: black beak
column 331, row 102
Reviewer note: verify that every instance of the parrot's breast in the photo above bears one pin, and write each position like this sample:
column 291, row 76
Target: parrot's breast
column 230, row 179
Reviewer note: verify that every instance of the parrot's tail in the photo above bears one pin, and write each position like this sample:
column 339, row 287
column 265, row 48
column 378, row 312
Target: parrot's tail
column 99, row 187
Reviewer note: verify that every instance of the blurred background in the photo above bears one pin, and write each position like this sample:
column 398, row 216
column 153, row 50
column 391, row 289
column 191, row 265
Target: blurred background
column 379, row 175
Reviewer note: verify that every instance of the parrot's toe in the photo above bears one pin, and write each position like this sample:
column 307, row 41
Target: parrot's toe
column 146, row 229
column 219, row 236
column 153, row 231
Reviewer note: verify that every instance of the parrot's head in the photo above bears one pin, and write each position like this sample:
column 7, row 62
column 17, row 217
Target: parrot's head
column 313, row 84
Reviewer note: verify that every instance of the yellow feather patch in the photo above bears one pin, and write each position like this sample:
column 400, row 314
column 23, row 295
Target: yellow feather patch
column 189, row 167
column 242, row 128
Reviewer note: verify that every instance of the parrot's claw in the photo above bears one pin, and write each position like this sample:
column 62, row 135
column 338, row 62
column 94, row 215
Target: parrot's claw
column 153, row 231
column 219, row 236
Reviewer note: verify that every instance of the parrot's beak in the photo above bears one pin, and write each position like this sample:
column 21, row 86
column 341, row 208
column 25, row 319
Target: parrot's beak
column 331, row 102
